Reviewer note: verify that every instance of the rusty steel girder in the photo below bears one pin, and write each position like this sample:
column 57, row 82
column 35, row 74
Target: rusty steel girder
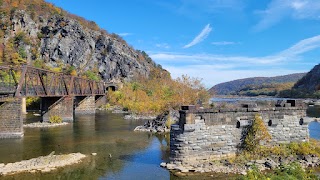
column 30, row 81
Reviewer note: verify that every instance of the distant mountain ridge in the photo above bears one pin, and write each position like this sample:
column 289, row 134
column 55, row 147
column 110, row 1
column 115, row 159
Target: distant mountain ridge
column 232, row 87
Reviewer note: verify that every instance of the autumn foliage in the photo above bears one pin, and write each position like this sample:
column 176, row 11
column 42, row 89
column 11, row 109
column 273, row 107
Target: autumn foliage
column 159, row 93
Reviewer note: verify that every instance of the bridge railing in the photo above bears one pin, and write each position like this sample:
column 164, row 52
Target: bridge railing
column 31, row 81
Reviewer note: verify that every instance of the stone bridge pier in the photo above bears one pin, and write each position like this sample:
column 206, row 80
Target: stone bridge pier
column 84, row 105
column 11, row 122
column 57, row 106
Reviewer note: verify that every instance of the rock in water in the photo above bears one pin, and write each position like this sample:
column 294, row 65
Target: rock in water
column 160, row 123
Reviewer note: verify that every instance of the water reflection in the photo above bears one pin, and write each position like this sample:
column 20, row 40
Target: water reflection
column 105, row 134
column 121, row 153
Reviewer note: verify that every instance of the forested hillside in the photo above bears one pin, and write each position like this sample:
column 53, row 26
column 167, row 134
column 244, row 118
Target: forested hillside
column 256, row 85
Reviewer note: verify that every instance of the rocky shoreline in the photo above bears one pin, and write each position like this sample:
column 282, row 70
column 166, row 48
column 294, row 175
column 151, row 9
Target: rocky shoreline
column 41, row 164
column 44, row 124
column 227, row 167
column 160, row 124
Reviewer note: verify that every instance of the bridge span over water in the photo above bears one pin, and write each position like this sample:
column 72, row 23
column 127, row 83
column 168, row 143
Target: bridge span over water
column 60, row 94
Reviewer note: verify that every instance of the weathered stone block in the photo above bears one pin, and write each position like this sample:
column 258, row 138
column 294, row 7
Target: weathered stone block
column 11, row 122
column 57, row 106
column 84, row 105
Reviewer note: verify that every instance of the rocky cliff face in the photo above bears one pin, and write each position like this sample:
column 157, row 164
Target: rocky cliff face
column 58, row 39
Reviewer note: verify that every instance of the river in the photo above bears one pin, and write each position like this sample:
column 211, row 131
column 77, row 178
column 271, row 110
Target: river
column 121, row 153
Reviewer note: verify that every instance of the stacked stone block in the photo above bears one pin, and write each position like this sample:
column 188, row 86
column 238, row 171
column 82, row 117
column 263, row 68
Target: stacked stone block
column 11, row 123
column 100, row 101
column 210, row 134
column 57, row 106
column 85, row 105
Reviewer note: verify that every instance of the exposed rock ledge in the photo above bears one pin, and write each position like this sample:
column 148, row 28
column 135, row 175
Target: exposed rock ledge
column 42, row 163
column 44, row 124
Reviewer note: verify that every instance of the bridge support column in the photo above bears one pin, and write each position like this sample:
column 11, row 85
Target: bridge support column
column 100, row 101
column 11, row 123
column 57, row 106
column 85, row 105
column 23, row 105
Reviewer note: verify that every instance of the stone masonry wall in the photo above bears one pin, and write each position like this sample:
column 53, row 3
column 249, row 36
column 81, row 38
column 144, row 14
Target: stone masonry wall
column 199, row 142
column 100, row 101
column 11, row 123
column 57, row 106
column 204, row 135
column 85, row 105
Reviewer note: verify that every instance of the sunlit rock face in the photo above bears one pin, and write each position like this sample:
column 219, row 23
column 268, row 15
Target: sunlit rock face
column 61, row 39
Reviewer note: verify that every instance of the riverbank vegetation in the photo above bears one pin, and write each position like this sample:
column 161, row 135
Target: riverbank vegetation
column 257, row 134
column 283, row 159
column 159, row 93
column 292, row 171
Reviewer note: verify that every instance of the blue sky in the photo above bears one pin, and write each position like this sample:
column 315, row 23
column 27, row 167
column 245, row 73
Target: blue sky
column 216, row 40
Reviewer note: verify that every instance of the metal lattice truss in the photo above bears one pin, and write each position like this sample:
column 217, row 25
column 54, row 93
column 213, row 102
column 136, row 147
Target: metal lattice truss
column 30, row 81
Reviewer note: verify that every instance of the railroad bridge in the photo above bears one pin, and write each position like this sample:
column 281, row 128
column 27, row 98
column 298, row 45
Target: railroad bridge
column 62, row 95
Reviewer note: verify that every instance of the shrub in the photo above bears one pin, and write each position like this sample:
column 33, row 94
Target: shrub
column 169, row 122
column 92, row 76
column 32, row 101
column 292, row 171
column 55, row 119
column 256, row 134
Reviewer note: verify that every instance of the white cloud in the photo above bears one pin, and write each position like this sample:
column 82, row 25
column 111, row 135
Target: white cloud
column 215, row 68
column 202, row 36
column 223, row 43
column 302, row 46
column 278, row 10
column 124, row 34
column 291, row 53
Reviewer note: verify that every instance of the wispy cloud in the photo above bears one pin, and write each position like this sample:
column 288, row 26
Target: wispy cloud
column 286, row 55
column 163, row 45
column 223, row 43
column 302, row 46
column 125, row 34
column 215, row 68
column 200, row 37
column 278, row 10
column 212, row 75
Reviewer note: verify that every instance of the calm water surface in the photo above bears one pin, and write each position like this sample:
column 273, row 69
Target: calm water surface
column 133, row 155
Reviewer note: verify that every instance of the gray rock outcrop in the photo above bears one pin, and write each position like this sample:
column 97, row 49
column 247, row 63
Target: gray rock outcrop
column 58, row 39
